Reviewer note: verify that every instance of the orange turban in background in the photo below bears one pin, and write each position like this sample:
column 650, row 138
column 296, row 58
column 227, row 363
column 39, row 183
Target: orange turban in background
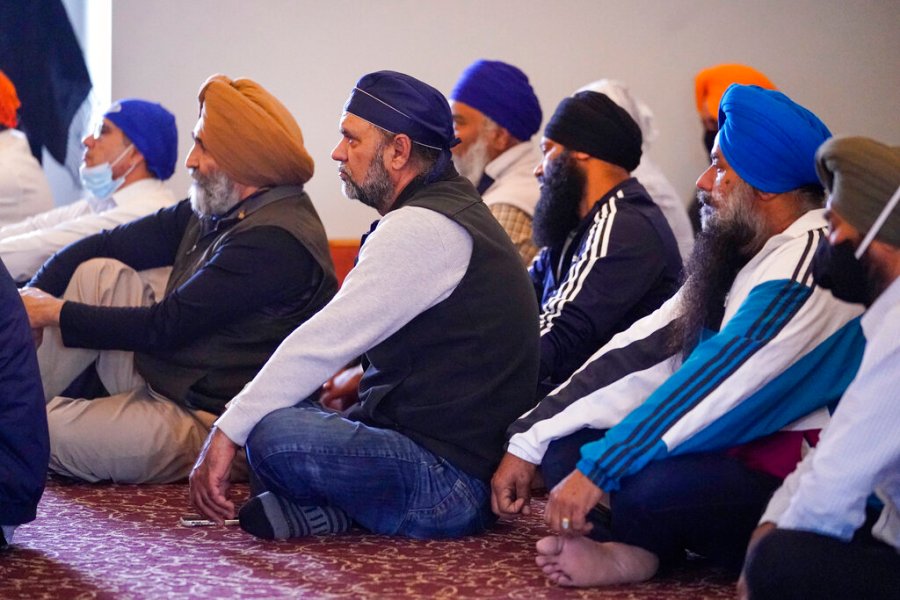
column 710, row 84
column 9, row 103
column 251, row 135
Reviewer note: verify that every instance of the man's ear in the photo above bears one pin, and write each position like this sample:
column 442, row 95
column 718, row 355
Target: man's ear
column 765, row 196
column 401, row 151
column 136, row 161
column 499, row 141
column 577, row 155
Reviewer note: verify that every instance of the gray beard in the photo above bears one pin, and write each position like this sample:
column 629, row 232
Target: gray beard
column 214, row 195
column 376, row 188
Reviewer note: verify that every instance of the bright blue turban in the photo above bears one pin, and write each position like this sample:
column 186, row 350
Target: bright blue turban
column 151, row 128
column 768, row 139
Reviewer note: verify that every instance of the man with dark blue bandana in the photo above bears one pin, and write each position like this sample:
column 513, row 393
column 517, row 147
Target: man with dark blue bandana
column 443, row 314
column 674, row 434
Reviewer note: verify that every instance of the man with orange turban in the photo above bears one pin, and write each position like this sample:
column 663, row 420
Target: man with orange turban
column 250, row 263
column 23, row 187
column 709, row 86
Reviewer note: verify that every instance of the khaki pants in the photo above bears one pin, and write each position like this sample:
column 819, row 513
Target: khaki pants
column 134, row 435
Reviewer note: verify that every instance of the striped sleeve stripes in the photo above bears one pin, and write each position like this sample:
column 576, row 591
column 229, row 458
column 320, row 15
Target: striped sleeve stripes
column 597, row 248
column 616, row 460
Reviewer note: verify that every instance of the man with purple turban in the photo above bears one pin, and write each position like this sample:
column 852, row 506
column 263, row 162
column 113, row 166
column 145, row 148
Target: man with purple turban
column 250, row 263
column 672, row 437
column 495, row 114
column 442, row 312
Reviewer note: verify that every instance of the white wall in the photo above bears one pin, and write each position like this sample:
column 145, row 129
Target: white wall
column 838, row 58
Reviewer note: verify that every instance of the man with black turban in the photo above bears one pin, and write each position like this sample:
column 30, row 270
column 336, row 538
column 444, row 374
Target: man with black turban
column 672, row 437
column 608, row 254
column 444, row 316
column 250, row 263
column 823, row 535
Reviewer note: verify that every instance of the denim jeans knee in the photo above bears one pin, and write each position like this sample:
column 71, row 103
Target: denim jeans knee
column 382, row 479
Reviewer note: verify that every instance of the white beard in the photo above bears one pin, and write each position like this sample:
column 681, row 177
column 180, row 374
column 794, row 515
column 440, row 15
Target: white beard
column 471, row 164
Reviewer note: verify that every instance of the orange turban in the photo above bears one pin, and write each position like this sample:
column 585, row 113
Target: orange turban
column 9, row 102
column 251, row 135
column 711, row 83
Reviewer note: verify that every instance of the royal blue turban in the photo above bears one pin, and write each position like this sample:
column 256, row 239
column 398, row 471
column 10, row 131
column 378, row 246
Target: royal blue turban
column 768, row 139
column 151, row 128
column 502, row 93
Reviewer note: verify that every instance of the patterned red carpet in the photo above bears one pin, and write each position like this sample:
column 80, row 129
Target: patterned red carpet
column 117, row 541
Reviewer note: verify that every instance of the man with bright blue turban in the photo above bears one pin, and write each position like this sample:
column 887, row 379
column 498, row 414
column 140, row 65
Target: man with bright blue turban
column 672, row 437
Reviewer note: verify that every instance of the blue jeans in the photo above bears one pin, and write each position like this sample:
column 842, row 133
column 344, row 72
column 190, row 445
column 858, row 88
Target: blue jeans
column 384, row 481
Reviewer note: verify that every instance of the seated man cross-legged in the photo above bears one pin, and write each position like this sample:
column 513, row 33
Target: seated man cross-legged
column 442, row 312
column 250, row 263
column 674, row 434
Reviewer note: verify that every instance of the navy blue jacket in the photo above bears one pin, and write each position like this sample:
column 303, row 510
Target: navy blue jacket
column 620, row 265
column 24, row 440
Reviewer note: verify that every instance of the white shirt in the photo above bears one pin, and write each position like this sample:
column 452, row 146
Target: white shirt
column 514, row 180
column 26, row 245
column 859, row 452
column 411, row 262
column 24, row 190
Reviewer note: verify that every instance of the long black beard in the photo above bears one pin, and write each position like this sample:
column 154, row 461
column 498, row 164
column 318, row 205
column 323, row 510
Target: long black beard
column 721, row 250
column 556, row 213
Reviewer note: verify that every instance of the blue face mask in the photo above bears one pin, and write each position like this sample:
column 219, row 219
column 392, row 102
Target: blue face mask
column 98, row 180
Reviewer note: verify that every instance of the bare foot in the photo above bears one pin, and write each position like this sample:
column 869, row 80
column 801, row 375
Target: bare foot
column 582, row 562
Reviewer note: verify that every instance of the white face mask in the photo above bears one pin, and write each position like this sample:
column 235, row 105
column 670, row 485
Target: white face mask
column 98, row 180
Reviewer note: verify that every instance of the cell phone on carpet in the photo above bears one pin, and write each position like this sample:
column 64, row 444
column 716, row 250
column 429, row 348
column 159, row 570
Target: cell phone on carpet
column 198, row 521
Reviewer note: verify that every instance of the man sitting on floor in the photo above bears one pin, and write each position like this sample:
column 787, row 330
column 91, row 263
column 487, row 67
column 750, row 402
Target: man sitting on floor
column 609, row 256
column 24, row 443
column 126, row 160
column 495, row 114
column 824, row 546
column 680, row 419
column 648, row 172
column 250, row 263
column 441, row 309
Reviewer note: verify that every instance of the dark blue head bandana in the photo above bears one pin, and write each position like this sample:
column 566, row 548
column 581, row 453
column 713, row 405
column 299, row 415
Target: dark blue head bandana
column 399, row 103
column 768, row 139
column 402, row 104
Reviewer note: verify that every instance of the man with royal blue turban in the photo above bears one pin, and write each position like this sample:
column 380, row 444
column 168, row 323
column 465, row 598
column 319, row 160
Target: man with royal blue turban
column 672, row 437
column 445, row 318
column 495, row 115
column 127, row 159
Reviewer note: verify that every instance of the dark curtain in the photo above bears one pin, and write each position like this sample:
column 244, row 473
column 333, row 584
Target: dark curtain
column 40, row 54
